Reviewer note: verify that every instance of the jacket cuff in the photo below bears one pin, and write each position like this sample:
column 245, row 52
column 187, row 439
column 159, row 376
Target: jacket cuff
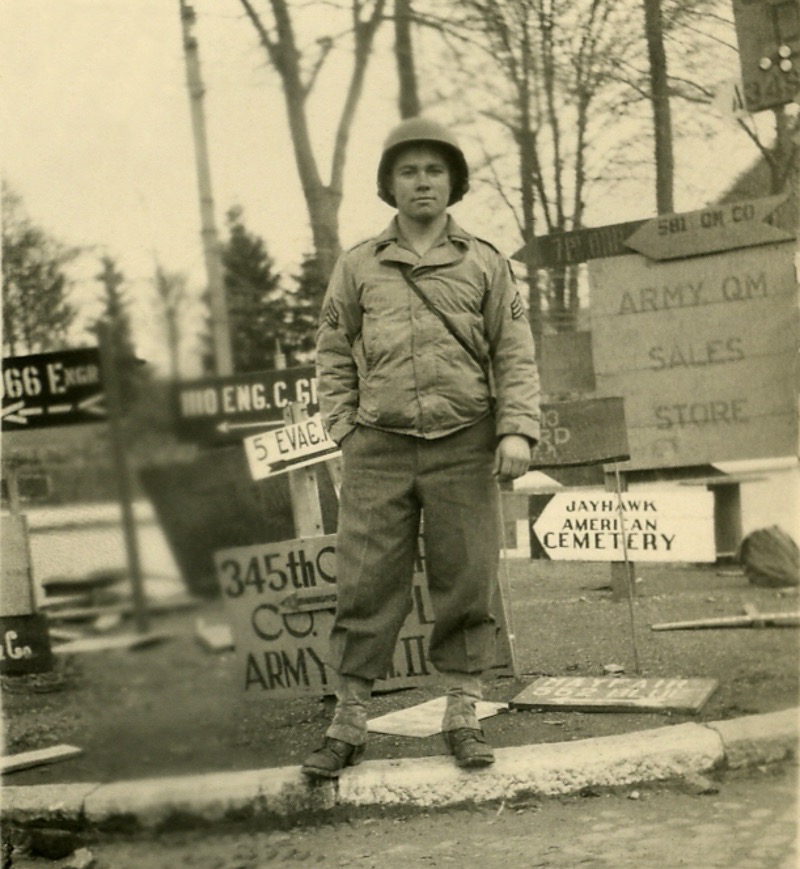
column 526, row 428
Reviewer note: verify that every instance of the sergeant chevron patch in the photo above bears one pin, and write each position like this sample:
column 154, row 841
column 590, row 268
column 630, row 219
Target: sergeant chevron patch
column 330, row 316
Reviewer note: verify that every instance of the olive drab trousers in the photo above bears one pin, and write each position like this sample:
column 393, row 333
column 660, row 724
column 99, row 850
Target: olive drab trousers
column 390, row 480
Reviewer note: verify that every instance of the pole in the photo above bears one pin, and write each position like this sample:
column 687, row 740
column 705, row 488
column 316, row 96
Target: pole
column 505, row 593
column 122, row 472
column 629, row 583
column 303, row 491
column 216, row 287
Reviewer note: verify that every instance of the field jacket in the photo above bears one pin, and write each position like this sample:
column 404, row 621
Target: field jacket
column 386, row 361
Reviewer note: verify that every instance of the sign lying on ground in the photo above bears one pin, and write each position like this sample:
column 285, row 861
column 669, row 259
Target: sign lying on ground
column 425, row 719
column 615, row 694
column 289, row 448
column 280, row 599
column 217, row 410
column 51, row 389
column 581, row 432
column 587, row 525
column 703, row 352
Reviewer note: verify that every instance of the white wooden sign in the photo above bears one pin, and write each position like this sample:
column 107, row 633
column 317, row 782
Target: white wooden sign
column 587, row 525
column 289, row 448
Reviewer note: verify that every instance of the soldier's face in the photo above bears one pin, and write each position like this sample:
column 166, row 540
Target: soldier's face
column 420, row 183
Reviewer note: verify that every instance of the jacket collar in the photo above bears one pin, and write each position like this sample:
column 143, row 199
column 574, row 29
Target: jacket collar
column 449, row 249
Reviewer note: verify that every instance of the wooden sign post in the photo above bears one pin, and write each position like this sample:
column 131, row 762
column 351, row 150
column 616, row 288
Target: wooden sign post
column 25, row 642
column 75, row 387
column 122, row 471
column 303, row 491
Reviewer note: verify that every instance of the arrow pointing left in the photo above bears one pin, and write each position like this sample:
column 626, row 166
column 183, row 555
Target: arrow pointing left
column 710, row 230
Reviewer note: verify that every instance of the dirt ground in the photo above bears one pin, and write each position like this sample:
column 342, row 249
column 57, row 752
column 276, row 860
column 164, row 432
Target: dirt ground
column 173, row 708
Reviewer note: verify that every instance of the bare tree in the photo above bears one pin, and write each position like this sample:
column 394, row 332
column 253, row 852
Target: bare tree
column 37, row 313
column 171, row 295
column 659, row 96
column 404, row 57
column 542, row 66
column 276, row 32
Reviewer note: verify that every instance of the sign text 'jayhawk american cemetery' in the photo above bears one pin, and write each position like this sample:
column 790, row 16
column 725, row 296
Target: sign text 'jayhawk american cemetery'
column 588, row 525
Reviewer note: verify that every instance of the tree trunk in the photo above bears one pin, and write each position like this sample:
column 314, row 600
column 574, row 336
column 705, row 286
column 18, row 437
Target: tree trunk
column 527, row 162
column 323, row 209
column 322, row 200
column 662, row 119
column 404, row 56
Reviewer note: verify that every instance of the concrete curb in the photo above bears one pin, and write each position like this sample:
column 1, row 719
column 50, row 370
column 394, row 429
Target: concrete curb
column 283, row 793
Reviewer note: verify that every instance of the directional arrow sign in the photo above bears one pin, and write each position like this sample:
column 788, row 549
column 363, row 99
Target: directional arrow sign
column 559, row 249
column 654, row 526
column 226, row 409
column 288, row 448
column 52, row 389
column 717, row 228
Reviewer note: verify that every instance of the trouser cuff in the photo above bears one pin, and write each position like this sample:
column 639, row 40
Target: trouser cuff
column 463, row 691
column 350, row 716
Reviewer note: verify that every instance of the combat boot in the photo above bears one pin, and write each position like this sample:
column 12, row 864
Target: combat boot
column 329, row 760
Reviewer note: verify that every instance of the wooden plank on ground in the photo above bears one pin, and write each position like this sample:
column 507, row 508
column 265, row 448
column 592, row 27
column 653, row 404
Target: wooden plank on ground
column 103, row 644
column 616, row 694
column 425, row 719
column 81, row 614
column 775, row 620
column 27, row 759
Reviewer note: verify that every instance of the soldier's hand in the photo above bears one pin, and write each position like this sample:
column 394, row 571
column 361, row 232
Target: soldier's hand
column 512, row 457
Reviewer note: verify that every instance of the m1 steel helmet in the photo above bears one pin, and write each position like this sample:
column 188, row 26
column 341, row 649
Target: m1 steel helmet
column 420, row 131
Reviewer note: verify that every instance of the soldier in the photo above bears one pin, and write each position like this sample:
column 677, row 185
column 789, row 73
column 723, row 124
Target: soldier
column 427, row 379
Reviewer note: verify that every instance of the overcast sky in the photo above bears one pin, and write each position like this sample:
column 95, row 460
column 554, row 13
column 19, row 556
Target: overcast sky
column 97, row 137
